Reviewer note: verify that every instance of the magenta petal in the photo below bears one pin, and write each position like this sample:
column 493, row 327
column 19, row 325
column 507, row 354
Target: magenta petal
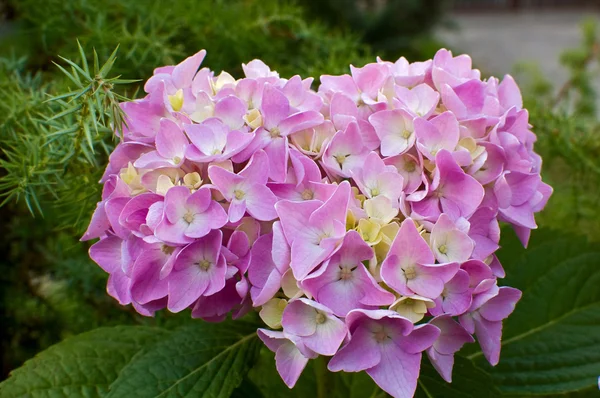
column 266, row 292
column 300, row 121
column 272, row 339
column 392, row 126
column 172, row 233
column 299, row 319
column 430, row 279
column 290, row 363
column 509, row 93
column 184, row 73
column 421, row 338
column 135, row 211
column 460, row 193
column 489, row 335
column 261, row 263
column 199, row 201
column 502, row 305
column 289, row 360
column 260, row 203
column 114, row 207
column 452, row 337
column 257, row 170
column 237, row 210
column 341, row 296
column 206, row 140
column 98, row 225
column 237, row 141
column 306, row 256
column 328, row 337
column 146, row 284
column 175, row 203
column 477, row 270
column 224, row 180
column 277, row 152
column 118, row 287
column 107, row 253
column 317, row 328
column 214, row 217
column 197, row 267
column 407, row 250
column 443, row 363
column 449, row 243
column 335, row 208
column 374, row 295
column 262, row 272
column 170, row 140
column 153, row 159
column 274, row 107
column 294, row 216
column 360, row 353
column 230, row 110
column 397, row 372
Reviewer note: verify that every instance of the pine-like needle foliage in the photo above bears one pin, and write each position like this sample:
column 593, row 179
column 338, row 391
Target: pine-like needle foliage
column 52, row 140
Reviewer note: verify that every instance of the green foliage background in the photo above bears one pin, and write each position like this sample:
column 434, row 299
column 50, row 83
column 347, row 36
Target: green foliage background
column 54, row 151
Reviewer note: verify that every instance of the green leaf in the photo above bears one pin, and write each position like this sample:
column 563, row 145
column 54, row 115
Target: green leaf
column 247, row 389
column 80, row 366
column 551, row 343
column 468, row 381
column 200, row 360
column 355, row 385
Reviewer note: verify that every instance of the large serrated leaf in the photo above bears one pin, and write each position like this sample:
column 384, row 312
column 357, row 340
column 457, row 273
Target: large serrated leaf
column 551, row 343
column 200, row 360
column 80, row 366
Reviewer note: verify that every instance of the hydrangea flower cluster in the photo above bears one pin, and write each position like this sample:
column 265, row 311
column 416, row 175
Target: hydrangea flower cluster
column 360, row 220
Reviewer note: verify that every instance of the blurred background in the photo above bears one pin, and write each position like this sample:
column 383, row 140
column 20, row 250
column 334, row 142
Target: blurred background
column 49, row 167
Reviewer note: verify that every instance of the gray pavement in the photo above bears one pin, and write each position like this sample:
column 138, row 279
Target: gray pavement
column 498, row 40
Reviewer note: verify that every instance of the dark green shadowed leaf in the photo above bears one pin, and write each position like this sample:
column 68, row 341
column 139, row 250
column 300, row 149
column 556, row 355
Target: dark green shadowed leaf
column 468, row 381
column 551, row 343
column 200, row 360
column 80, row 366
column 247, row 390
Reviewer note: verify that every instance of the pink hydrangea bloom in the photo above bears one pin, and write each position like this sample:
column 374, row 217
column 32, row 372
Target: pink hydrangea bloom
column 361, row 219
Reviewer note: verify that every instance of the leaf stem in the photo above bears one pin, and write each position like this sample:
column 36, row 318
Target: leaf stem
column 323, row 376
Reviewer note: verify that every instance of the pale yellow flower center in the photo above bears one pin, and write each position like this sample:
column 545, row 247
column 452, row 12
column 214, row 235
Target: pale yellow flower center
column 275, row 133
column 239, row 195
column 188, row 217
column 167, row 249
column 320, row 318
column 345, row 273
column 410, row 167
column 176, row 100
column 204, row 265
column 307, row 194
column 340, row 159
column 410, row 273
column 381, row 335
column 443, row 249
